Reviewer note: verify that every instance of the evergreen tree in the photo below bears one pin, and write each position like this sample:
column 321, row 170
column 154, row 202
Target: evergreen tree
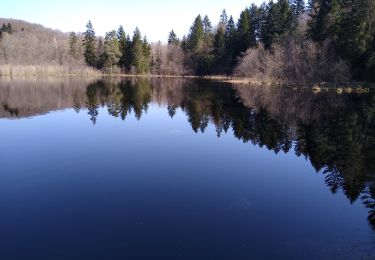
column 230, row 44
column 9, row 28
column 73, row 48
column 220, row 49
column 356, row 31
column 283, row 18
column 298, row 7
column 146, row 54
column 121, row 36
column 223, row 19
column 219, row 42
column 230, row 33
column 140, row 53
column 4, row 28
column 89, row 44
column 196, row 34
column 111, row 53
column 172, row 38
column 99, row 53
column 325, row 19
column 128, row 52
column 207, row 26
column 255, row 22
column 245, row 33
column 278, row 22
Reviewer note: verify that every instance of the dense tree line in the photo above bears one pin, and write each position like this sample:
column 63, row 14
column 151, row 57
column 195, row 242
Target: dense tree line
column 117, row 51
column 282, row 40
column 342, row 32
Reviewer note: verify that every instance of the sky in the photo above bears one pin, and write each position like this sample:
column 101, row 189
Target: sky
column 154, row 18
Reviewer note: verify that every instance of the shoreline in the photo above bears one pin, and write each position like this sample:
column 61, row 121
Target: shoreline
column 347, row 87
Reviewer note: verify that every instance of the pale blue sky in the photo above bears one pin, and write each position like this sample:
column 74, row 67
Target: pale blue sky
column 154, row 18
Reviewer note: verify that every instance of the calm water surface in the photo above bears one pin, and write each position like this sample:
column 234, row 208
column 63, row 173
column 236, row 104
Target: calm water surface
column 183, row 169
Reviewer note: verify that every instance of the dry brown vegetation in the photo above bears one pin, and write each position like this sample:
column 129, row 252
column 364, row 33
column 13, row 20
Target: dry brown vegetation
column 294, row 60
column 168, row 59
column 32, row 49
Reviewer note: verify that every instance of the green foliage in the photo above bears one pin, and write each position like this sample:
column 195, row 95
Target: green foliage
column 122, row 44
column 89, row 44
column 356, row 30
column 9, row 28
column 245, row 33
column 207, row 26
column 298, row 7
column 6, row 28
column 325, row 19
column 73, row 41
column 219, row 43
column 278, row 22
column 223, row 19
column 350, row 25
column 230, row 43
column 196, row 34
column 200, row 45
column 112, row 53
column 172, row 38
column 140, row 53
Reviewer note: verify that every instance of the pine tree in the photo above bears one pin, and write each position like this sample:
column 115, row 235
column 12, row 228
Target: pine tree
column 89, row 44
column 207, row 26
column 9, row 28
column 172, row 38
column 230, row 33
column 121, row 36
column 230, row 41
column 146, row 54
column 325, row 19
column 73, row 48
column 219, row 42
column 128, row 54
column 196, row 34
column 298, row 7
column 99, row 53
column 140, row 53
column 283, row 18
column 219, row 49
column 223, row 19
column 255, row 22
column 245, row 35
column 111, row 53
column 278, row 22
column 4, row 28
column 356, row 31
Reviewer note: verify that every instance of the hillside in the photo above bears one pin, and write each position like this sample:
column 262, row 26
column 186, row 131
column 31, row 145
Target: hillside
column 32, row 48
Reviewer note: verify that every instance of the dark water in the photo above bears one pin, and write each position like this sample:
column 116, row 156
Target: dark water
column 177, row 169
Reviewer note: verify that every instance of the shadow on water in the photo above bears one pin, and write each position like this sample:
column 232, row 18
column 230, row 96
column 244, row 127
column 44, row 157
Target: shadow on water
column 336, row 133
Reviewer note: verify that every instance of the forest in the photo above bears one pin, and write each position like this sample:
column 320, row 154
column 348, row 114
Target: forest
column 279, row 41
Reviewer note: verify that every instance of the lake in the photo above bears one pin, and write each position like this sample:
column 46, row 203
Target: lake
column 184, row 169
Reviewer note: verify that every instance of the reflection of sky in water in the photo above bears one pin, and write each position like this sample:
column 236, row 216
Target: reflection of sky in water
column 154, row 187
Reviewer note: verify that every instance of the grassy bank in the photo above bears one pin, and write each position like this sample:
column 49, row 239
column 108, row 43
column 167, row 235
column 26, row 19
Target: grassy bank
column 45, row 70
column 38, row 71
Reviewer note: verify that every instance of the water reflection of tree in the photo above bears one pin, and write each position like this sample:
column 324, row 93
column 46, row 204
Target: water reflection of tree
column 119, row 98
column 336, row 133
